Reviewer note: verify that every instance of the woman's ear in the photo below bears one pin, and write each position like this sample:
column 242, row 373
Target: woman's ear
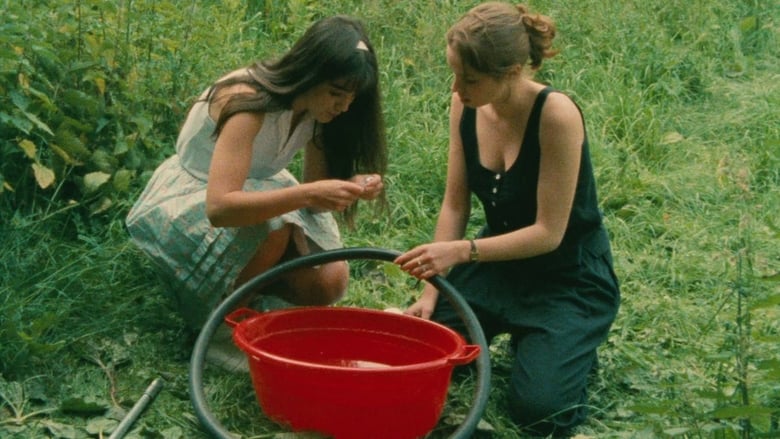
column 515, row 70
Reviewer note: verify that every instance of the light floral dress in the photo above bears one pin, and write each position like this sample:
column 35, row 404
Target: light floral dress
column 168, row 222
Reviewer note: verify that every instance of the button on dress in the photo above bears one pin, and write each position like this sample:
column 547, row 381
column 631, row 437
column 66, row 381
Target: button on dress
column 558, row 307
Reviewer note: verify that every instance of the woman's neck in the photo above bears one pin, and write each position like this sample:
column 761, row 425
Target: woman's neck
column 519, row 96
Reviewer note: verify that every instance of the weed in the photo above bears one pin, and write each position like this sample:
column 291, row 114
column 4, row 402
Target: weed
column 681, row 101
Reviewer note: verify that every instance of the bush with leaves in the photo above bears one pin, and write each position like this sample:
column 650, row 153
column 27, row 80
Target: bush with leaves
column 91, row 95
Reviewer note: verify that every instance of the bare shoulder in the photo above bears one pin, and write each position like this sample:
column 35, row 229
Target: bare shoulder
column 247, row 122
column 456, row 106
column 219, row 100
column 560, row 107
column 224, row 93
column 561, row 118
column 456, row 112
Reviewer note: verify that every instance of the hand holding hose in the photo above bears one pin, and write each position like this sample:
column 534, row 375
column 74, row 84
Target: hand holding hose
column 428, row 260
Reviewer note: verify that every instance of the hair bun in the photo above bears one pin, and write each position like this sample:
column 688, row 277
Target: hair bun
column 523, row 9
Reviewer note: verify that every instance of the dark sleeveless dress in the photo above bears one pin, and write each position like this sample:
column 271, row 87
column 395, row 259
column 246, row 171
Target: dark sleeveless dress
column 559, row 306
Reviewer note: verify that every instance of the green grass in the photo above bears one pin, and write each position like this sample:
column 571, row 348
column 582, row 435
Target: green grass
column 682, row 104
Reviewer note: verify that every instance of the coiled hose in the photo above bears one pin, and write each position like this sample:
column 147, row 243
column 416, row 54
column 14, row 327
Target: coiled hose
column 198, row 397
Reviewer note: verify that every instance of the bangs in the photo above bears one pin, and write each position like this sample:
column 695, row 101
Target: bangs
column 357, row 75
column 467, row 49
column 356, row 83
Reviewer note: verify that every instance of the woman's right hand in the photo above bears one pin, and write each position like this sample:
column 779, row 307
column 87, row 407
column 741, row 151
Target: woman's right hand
column 372, row 185
column 333, row 194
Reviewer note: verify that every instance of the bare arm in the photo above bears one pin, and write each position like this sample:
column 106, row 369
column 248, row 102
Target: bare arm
column 453, row 216
column 561, row 138
column 456, row 206
column 228, row 205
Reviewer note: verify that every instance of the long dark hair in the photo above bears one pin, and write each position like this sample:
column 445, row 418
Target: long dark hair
column 333, row 49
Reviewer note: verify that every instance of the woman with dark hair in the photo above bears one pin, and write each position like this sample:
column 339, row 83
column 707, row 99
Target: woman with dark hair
column 541, row 267
column 224, row 208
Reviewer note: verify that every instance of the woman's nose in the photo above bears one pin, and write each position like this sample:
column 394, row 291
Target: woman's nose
column 343, row 104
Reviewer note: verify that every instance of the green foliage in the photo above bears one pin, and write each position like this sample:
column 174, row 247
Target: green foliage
column 92, row 96
column 681, row 100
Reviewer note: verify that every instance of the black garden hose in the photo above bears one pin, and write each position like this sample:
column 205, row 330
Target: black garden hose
column 217, row 317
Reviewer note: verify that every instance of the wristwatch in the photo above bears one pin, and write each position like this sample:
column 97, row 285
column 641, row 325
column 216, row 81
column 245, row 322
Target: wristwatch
column 474, row 255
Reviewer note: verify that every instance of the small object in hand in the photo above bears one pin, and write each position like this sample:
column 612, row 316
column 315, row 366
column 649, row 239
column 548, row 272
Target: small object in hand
column 394, row 310
column 367, row 180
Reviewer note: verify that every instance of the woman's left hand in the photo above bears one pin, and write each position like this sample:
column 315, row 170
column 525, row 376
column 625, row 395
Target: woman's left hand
column 428, row 260
column 372, row 185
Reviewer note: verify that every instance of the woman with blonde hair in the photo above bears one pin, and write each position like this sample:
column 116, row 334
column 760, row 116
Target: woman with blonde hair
column 541, row 267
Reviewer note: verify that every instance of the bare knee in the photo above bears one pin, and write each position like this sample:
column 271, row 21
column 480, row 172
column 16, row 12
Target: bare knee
column 334, row 278
column 322, row 285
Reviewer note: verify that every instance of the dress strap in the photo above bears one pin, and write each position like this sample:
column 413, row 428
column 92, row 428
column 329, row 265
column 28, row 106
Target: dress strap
column 536, row 111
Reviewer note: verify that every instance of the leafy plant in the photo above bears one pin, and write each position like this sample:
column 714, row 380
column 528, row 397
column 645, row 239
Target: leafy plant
column 92, row 97
column 681, row 102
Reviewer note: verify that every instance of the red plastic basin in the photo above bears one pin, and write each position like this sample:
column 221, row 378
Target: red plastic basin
column 350, row 372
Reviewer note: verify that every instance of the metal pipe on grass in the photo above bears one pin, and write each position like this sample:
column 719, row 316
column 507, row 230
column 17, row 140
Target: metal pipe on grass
column 149, row 394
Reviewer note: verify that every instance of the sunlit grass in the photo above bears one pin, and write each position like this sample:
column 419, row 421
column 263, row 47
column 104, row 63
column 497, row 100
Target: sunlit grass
column 681, row 101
